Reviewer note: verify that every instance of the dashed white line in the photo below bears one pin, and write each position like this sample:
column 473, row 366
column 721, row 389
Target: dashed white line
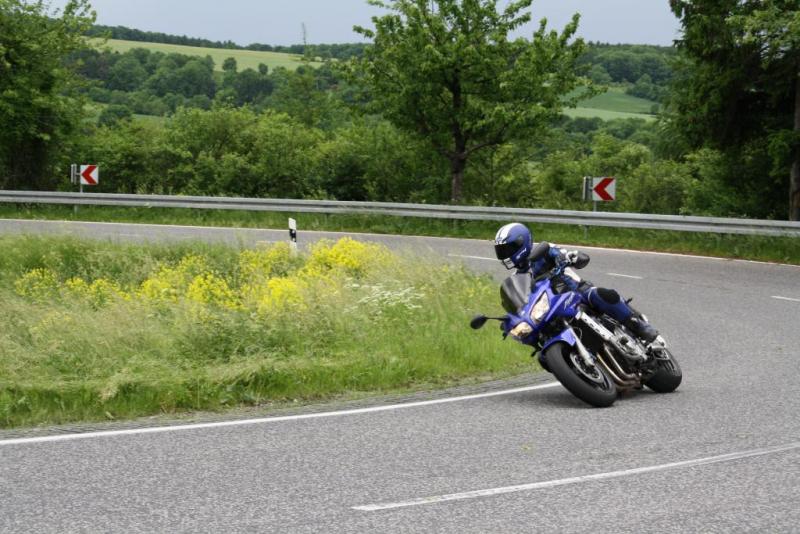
column 626, row 276
column 580, row 479
column 264, row 420
column 786, row 298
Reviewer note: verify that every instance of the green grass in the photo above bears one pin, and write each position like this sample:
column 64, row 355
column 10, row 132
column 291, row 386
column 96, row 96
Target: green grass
column 615, row 99
column 613, row 104
column 93, row 330
column 775, row 249
column 245, row 59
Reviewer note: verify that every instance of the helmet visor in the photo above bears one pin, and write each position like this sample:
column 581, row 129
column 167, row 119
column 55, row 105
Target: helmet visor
column 506, row 250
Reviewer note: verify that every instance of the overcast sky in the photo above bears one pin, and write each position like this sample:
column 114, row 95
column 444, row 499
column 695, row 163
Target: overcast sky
column 331, row 21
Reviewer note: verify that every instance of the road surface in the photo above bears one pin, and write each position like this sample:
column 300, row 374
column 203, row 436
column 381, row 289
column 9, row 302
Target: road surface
column 722, row 454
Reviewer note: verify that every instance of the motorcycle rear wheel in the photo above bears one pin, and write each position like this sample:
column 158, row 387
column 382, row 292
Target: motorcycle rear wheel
column 592, row 386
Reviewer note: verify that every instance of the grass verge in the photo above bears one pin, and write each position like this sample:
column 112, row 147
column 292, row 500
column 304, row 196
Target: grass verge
column 773, row 249
column 94, row 330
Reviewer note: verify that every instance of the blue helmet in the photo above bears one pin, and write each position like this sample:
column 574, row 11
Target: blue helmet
column 513, row 244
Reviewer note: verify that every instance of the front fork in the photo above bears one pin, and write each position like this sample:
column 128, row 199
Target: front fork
column 569, row 337
column 586, row 356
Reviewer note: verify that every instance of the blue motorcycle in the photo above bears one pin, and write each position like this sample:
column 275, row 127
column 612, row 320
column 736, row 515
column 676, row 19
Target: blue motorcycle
column 592, row 355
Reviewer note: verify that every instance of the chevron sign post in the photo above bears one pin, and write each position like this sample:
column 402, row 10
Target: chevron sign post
column 84, row 175
column 90, row 175
column 604, row 189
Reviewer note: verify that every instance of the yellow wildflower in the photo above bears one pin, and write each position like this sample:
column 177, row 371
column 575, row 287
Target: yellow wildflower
column 38, row 284
column 214, row 290
column 259, row 265
column 351, row 257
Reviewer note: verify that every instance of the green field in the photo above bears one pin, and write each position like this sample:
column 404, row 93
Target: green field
column 615, row 99
column 246, row 59
column 613, row 104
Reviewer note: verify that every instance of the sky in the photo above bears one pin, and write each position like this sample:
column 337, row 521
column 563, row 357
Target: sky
column 280, row 22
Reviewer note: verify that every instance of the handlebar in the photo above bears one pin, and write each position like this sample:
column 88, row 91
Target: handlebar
column 555, row 271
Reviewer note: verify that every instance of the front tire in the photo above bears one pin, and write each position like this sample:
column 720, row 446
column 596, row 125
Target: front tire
column 668, row 375
column 592, row 386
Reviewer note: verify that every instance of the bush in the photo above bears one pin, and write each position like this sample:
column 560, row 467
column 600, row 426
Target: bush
column 113, row 114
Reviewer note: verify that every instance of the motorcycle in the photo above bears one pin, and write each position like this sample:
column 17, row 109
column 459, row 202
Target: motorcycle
column 594, row 356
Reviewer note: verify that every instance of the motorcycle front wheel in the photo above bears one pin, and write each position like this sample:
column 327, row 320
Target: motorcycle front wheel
column 590, row 384
column 668, row 374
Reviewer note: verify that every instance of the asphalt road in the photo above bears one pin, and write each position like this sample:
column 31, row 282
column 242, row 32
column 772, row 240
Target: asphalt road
column 722, row 454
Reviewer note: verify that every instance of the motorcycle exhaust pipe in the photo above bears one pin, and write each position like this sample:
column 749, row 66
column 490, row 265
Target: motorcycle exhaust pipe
column 606, row 335
column 628, row 382
column 618, row 367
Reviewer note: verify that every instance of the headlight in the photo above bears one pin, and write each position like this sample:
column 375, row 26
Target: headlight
column 541, row 308
column 521, row 330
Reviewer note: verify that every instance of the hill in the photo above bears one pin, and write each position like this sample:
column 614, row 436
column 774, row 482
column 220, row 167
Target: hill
column 246, row 59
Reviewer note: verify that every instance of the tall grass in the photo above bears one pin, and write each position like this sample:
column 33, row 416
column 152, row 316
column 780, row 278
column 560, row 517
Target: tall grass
column 94, row 330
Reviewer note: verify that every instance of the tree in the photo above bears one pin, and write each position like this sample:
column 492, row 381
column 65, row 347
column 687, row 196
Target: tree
column 39, row 106
column 193, row 77
column 298, row 94
column 114, row 114
column 773, row 26
column 229, row 65
column 737, row 90
column 447, row 69
column 250, row 86
column 127, row 74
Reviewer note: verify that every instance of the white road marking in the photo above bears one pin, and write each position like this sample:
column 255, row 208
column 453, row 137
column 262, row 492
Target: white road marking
column 786, row 298
column 264, row 420
column 580, row 479
column 625, row 276
column 472, row 257
column 486, row 242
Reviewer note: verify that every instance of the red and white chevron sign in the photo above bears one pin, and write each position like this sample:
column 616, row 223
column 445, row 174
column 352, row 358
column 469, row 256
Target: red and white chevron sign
column 604, row 189
column 90, row 175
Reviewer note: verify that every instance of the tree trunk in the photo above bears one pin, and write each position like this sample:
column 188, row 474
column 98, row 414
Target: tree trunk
column 457, row 165
column 794, row 179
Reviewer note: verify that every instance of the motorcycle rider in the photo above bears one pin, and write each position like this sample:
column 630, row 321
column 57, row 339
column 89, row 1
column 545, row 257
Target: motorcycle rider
column 513, row 245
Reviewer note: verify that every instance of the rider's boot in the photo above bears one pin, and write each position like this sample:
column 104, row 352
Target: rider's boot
column 654, row 343
column 642, row 329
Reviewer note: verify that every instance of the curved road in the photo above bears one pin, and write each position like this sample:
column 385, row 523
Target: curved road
column 722, row 454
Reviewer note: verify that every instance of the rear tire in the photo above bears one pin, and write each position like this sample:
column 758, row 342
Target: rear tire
column 600, row 392
column 668, row 376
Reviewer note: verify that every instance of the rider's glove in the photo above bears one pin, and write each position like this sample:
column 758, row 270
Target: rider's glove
column 571, row 256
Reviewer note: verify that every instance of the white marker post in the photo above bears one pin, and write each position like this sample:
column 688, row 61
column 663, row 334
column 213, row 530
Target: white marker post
column 293, row 236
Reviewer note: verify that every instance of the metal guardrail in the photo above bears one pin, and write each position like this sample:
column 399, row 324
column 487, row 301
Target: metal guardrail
column 582, row 218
